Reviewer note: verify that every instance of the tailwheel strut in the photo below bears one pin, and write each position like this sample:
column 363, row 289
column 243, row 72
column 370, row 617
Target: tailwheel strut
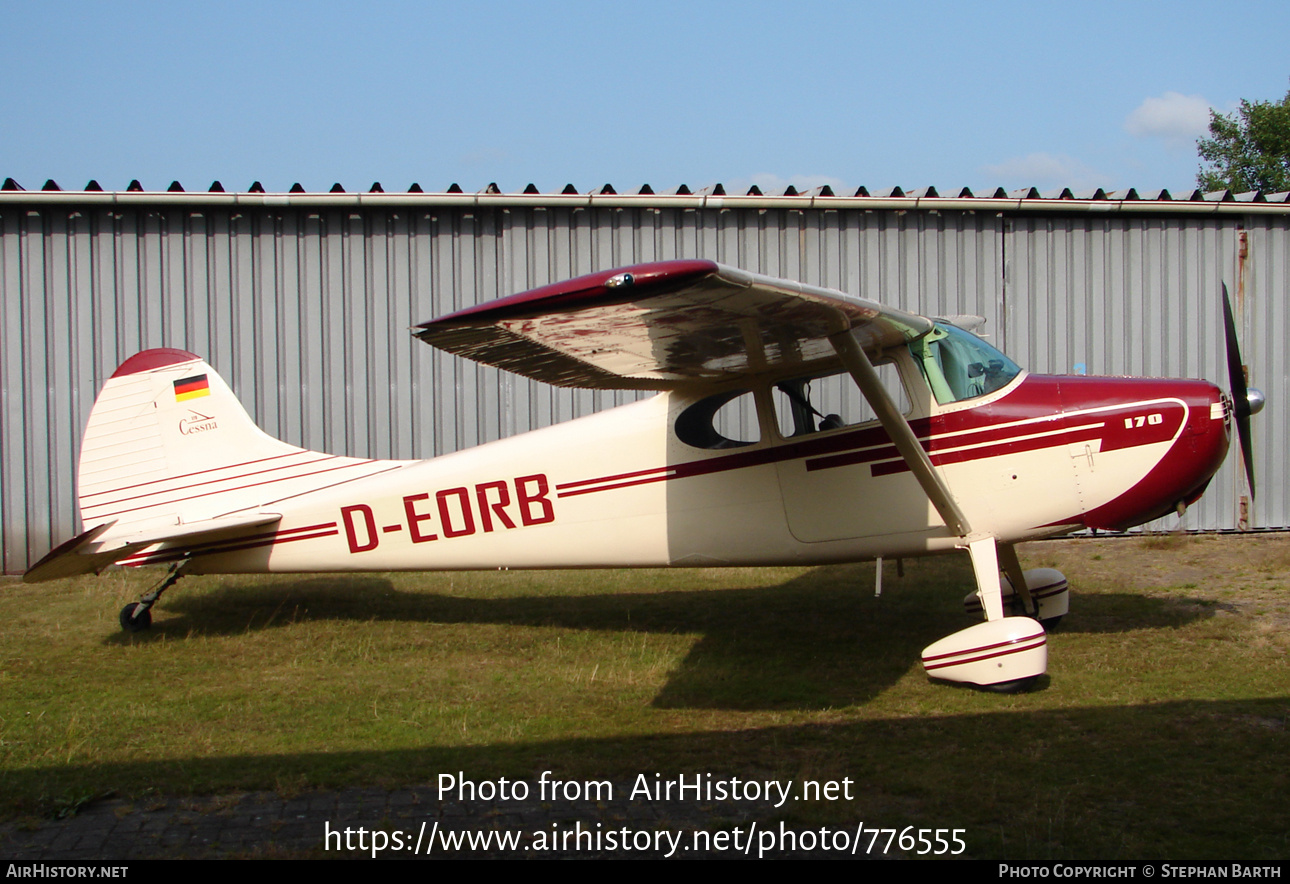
column 137, row 616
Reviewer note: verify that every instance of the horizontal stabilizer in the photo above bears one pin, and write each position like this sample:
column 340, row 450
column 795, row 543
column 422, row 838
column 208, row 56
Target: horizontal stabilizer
column 83, row 554
column 203, row 530
column 67, row 560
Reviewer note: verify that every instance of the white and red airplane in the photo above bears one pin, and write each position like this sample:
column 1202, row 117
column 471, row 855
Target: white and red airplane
column 794, row 425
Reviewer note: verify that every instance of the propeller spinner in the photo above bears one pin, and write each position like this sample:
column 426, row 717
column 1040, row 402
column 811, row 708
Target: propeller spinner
column 1245, row 400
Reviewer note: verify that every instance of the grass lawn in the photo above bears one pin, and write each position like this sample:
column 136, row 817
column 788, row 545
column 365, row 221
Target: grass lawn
column 1161, row 731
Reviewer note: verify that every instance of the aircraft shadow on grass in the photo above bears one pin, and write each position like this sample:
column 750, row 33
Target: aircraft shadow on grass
column 818, row 640
column 1107, row 781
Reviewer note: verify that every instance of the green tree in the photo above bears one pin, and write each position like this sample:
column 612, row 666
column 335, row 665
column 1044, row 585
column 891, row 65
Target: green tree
column 1249, row 149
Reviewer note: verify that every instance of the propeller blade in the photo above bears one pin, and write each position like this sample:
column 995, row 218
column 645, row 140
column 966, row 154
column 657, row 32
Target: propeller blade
column 1240, row 392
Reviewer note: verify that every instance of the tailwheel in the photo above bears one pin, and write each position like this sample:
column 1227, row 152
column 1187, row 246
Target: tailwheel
column 132, row 622
column 137, row 616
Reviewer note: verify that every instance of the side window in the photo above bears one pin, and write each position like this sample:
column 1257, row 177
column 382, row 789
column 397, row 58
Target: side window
column 815, row 405
column 726, row 420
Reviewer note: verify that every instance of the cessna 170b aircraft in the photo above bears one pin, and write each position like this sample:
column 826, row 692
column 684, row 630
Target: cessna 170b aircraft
column 794, row 425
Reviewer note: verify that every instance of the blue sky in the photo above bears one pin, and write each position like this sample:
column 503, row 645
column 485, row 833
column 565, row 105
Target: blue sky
column 877, row 94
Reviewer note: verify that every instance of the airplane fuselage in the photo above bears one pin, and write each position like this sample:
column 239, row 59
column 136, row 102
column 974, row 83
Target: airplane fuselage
column 1043, row 455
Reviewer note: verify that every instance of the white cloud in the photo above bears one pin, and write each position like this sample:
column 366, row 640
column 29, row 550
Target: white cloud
column 1179, row 119
column 1044, row 171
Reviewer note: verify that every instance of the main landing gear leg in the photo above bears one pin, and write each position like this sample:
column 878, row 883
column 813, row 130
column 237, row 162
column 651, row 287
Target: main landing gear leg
column 137, row 616
column 1044, row 594
column 1004, row 654
column 985, row 563
column 1017, row 577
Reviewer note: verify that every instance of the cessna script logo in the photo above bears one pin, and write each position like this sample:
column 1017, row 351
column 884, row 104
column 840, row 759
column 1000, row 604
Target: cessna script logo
column 197, row 422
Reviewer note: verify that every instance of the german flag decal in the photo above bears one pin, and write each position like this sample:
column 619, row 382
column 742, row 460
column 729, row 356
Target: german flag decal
column 194, row 387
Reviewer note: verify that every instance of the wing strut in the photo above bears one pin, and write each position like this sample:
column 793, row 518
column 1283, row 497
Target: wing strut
column 1004, row 653
column 902, row 436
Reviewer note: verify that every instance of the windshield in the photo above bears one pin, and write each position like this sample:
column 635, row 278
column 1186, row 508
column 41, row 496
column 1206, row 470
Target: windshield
column 958, row 365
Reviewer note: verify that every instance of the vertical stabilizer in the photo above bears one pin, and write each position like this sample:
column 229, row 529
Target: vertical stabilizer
column 168, row 444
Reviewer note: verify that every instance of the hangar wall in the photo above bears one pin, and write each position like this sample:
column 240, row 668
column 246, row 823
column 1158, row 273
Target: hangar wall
column 304, row 306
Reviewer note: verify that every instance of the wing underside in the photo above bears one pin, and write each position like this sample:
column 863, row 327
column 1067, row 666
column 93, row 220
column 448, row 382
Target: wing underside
column 664, row 325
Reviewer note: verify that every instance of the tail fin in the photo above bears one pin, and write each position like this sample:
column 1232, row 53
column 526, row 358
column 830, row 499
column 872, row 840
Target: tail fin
column 171, row 457
column 163, row 430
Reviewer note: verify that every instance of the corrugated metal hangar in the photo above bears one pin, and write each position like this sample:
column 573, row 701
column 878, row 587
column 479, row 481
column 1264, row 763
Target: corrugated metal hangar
column 303, row 302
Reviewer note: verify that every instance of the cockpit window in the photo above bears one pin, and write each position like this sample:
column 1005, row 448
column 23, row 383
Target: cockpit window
column 726, row 420
column 958, row 365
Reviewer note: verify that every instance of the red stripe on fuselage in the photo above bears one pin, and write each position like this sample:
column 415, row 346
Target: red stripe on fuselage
column 232, row 544
column 1029, row 418
column 632, row 475
column 1026, row 442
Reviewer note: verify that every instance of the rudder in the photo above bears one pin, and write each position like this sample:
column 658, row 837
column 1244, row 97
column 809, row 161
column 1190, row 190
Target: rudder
column 162, row 431
column 172, row 466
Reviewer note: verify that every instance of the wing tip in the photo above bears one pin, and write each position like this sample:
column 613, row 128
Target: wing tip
column 64, row 560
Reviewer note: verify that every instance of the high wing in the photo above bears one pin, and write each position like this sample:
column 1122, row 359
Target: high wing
column 673, row 323
column 667, row 324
